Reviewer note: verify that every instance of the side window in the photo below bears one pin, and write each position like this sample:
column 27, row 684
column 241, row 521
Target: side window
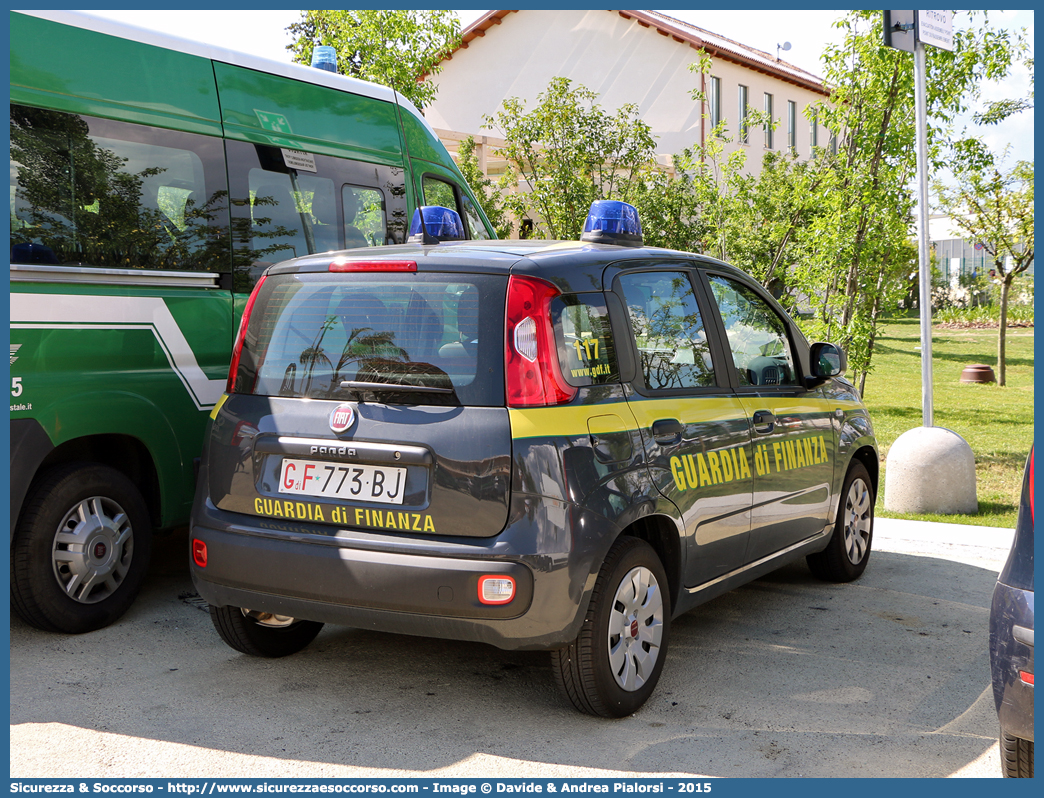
column 286, row 204
column 365, row 217
column 97, row 192
column 439, row 192
column 475, row 225
column 291, row 214
column 757, row 335
column 673, row 350
column 586, row 350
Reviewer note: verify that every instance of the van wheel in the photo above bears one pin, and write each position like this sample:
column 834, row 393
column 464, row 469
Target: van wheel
column 613, row 665
column 1016, row 757
column 848, row 551
column 81, row 549
column 262, row 634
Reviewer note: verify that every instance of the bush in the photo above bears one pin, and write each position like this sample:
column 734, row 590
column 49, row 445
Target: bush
column 1019, row 314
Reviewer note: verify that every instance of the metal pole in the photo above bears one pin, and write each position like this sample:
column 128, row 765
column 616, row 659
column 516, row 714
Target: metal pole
column 921, row 109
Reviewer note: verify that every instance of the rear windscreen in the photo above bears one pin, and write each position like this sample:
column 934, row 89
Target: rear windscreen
column 345, row 337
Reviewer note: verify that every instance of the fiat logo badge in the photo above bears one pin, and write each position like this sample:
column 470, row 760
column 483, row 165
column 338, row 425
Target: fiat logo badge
column 342, row 417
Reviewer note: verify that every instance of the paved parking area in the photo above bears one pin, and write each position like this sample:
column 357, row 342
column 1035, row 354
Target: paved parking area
column 787, row 676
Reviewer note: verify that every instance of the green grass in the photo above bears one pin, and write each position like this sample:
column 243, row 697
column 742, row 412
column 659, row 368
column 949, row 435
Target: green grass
column 996, row 422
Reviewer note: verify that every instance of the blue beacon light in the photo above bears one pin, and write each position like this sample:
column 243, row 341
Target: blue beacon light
column 612, row 222
column 324, row 57
column 439, row 224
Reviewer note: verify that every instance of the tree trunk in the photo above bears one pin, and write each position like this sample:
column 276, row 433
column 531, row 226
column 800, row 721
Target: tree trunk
column 1005, row 287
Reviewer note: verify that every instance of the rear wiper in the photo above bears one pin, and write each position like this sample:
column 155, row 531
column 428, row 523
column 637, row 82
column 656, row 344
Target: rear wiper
column 393, row 386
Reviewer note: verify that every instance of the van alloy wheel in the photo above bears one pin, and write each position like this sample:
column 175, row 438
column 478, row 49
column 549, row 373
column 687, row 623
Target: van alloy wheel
column 80, row 549
column 93, row 550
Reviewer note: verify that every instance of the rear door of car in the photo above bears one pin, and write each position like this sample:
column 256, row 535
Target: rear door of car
column 373, row 401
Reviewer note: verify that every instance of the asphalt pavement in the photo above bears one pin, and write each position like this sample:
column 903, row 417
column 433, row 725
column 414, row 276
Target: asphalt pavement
column 785, row 677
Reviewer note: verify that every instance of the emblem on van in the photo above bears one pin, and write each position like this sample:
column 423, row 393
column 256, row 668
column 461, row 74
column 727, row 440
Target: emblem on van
column 342, row 417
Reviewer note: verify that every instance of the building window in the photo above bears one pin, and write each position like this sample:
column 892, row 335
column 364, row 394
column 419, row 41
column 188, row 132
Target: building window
column 792, row 125
column 813, row 130
column 768, row 121
column 743, row 132
column 714, row 101
column 833, row 143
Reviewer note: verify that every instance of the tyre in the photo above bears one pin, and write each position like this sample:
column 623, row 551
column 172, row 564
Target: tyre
column 262, row 634
column 613, row 665
column 1016, row 757
column 848, row 551
column 80, row 550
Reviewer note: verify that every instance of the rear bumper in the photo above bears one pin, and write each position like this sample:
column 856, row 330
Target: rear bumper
column 1011, row 651
column 410, row 584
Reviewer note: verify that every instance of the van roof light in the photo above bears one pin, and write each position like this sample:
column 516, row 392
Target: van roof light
column 325, row 57
column 612, row 222
column 432, row 224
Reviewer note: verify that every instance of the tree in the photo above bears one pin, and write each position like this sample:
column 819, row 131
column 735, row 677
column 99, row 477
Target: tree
column 566, row 153
column 489, row 196
column 995, row 208
column 865, row 218
column 393, row 47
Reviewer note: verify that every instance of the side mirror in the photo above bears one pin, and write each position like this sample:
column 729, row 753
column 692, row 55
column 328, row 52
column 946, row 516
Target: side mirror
column 827, row 360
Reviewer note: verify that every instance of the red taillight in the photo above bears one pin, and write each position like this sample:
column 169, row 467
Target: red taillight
column 238, row 348
column 373, row 266
column 199, row 552
column 532, row 372
column 1026, row 676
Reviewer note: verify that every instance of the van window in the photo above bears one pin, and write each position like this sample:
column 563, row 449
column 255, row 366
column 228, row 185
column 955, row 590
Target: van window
column 439, row 192
column 287, row 203
column 365, row 217
column 97, row 192
column 308, row 333
column 477, row 228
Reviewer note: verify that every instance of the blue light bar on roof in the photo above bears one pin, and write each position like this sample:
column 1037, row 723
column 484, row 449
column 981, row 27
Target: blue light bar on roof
column 612, row 222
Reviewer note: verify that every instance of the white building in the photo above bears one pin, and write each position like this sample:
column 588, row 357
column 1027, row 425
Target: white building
column 639, row 57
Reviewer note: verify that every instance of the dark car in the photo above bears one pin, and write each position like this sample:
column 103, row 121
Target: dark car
column 532, row 444
column 1011, row 642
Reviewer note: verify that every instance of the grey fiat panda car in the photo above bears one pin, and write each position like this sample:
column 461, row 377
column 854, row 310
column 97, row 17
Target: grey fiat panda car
column 532, row 444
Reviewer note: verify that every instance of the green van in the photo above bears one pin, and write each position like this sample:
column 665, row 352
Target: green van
column 153, row 180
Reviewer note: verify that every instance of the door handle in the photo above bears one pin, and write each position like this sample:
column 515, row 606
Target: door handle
column 666, row 431
column 764, row 421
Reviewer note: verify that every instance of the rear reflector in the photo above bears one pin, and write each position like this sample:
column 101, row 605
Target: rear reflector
column 199, row 552
column 496, row 589
column 373, row 266
column 1026, row 677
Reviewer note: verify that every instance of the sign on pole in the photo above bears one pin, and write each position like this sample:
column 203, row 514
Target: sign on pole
column 935, row 28
column 911, row 31
column 899, row 30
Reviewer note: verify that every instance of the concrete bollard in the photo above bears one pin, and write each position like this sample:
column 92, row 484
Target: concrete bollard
column 930, row 470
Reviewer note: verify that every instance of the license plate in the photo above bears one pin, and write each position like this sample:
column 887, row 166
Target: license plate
column 364, row 483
